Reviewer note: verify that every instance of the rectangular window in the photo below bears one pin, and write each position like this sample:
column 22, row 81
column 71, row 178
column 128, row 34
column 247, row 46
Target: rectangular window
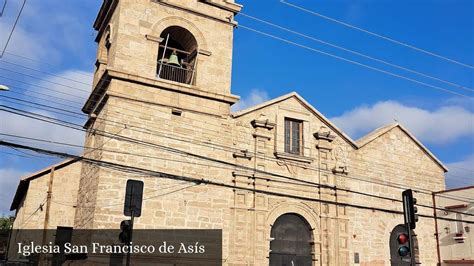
column 293, row 136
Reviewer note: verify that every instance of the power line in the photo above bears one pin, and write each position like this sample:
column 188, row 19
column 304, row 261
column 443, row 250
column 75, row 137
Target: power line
column 61, row 92
column 78, row 127
column 53, row 90
column 168, row 136
column 302, row 182
column 320, row 185
column 354, row 62
column 110, row 110
column 160, row 174
column 3, row 7
column 13, row 29
column 346, row 60
column 42, row 87
column 103, row 133
column 355, row 52
column 45, row 72
column 74, row 88
column 46, row 80
column 376, row 35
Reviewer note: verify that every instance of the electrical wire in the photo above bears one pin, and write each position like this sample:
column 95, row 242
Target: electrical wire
column 3, row 8
column 159, row 174
column 80, row 128
column 377, row 35
column 318, row 185
column 354, row 62
column 355, row 52
column 206, row 144
column 147, row 114
column 13, row 28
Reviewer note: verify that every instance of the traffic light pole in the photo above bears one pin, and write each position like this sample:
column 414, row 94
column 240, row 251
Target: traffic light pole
column 131, row 227
column 407, row 200
column 411, row 246
column 131, row 235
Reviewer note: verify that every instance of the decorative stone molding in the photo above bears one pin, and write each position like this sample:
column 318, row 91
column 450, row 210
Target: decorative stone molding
column 262, row 124
column 324, row 135
column 257, row 135
column 204, row 52
column 323, row 146
column 226, row 5
column 293, row 157
column 242, row 154
column 244, row 178
column 242, row 173
column 153, row 38
column 340, row 169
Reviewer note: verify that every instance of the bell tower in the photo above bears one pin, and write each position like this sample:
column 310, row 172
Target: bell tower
column 163, row 74
column 179, row 49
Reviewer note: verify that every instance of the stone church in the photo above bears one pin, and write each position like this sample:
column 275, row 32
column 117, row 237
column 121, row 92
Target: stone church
column 161, row 101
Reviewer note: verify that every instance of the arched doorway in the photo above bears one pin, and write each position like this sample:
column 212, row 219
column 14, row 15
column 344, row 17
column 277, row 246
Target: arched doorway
column 291, row 244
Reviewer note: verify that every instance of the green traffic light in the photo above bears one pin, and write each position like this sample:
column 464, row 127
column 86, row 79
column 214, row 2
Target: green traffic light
column 403, row 251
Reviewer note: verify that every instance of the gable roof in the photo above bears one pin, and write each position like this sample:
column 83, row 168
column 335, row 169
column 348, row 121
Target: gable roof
column 25, row 181
column 382, row 130
column 325, row 120
column 356, row 144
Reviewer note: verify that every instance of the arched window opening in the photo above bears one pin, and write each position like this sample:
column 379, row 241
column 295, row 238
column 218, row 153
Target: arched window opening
column 104, row 45
column 291, row 243
column 177, row 55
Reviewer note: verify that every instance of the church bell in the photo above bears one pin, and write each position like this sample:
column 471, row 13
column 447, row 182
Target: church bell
column 173, row 60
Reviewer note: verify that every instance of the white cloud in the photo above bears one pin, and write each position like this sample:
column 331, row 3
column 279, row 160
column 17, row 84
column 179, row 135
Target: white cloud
column 53, row 40
column 256, row 96
column 72, row 85
column 460, row 173
column 21, row 44
column 9, row 179
column 441, row 126
column 23, row 126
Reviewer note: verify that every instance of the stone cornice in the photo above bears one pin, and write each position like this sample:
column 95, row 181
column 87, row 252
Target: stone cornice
column 229, row 21
column 111, row 74
column 226, row 5
column 102, row 19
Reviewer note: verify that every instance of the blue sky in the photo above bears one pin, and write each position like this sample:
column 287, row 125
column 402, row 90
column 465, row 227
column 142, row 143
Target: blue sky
column 357, row 99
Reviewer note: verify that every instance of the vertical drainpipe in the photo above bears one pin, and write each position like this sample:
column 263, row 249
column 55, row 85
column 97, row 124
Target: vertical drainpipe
column 433, row 194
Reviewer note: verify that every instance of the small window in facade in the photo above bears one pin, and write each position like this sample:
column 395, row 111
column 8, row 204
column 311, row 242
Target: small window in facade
column 293, row 136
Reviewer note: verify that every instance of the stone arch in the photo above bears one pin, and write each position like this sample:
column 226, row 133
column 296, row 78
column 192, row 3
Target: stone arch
column 161, row 25
column 383, row 236
column 300, row 209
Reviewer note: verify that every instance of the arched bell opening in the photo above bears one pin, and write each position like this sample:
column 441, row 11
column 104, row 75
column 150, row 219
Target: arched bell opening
column 177, row 55
column 291, row 243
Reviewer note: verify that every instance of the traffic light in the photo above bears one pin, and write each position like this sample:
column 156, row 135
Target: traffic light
column 400, row 250
column 125, row 235
column 403, row 249
column 409, row 208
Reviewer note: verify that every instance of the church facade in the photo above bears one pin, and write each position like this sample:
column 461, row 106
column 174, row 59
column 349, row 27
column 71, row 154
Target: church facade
column 161, row 102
